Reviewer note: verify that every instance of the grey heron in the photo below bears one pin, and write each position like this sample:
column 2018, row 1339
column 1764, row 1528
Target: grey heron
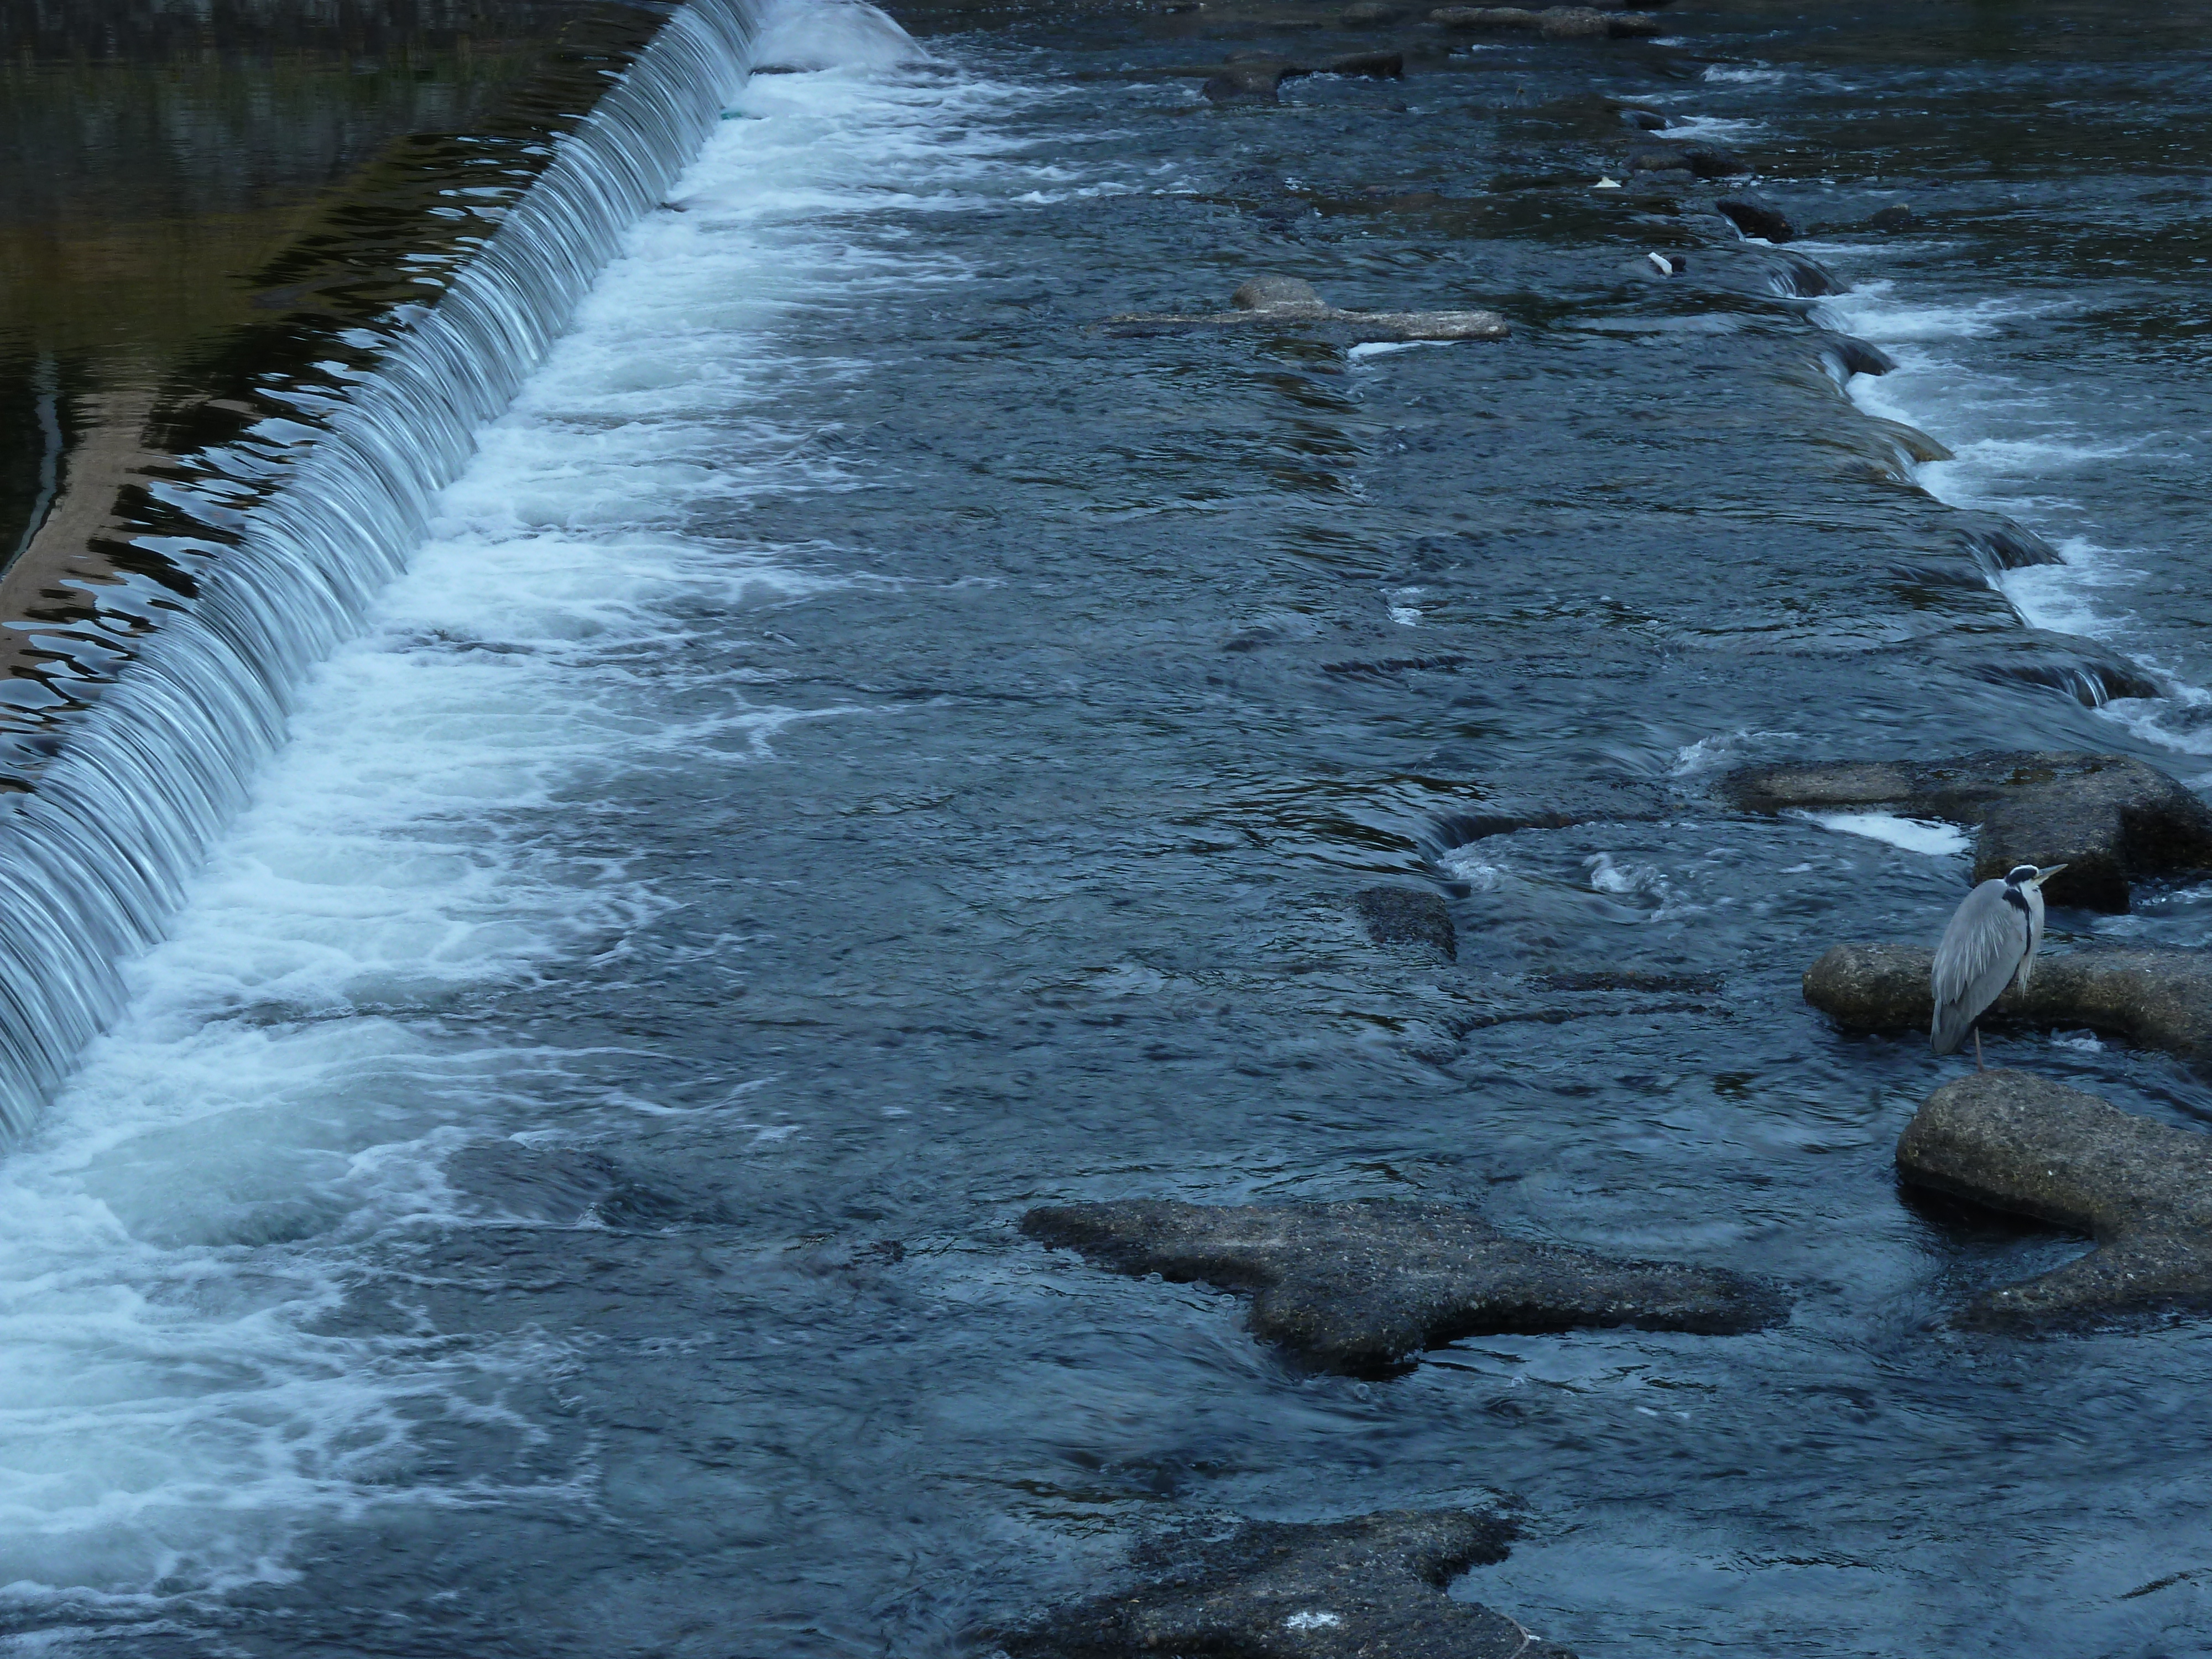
column 1989, row 944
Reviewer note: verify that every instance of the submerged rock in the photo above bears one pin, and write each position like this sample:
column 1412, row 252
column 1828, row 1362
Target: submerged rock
column 2142, row 1190
column 2156, row 996
column 1370, row 12
column 1408, row 916
column 1364, row 1286
column 1628, row 979
column 2106, row 818
column 1895, row 217
column 1278, row 294
column 1556, row 23
column 1249, row 81
column 1370, row 1588
column 1643, row 120
column 1288, row 300
column 1699, row 161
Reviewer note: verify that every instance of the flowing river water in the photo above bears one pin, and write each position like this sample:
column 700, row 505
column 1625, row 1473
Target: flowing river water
column 855, row 750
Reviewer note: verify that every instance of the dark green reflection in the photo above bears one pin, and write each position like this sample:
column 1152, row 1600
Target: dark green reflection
column 160, row 152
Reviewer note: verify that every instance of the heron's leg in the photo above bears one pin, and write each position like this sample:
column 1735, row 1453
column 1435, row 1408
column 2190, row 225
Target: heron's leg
column 1977, row 1048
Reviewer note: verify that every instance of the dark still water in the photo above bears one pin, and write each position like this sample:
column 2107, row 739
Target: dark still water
column 862, row 752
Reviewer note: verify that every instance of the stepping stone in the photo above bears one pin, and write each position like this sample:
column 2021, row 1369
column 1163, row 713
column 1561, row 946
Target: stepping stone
column 1410, row 916
column 1364, row 1286
column 1280, row 301
column 2156, row 996
column 2106, row 818
column 2142, row 1190
column 1373, row 1588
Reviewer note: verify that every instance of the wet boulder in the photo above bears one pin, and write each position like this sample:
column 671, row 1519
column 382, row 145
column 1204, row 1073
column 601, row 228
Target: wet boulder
column 1896, row 216
column 1363, row 1287
column 1698, row 161
column 1370, row 1588
column 2142, row 1189
column 1372, row 65
column 1755, row 216
column 1847, row 355
column 1254, row 80
column 2154, row 996
column 1408, row 917
column 2108, row 818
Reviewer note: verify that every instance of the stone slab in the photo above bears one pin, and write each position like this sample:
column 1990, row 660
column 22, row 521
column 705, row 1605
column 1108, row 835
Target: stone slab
column 1363, row 1287
column 2108, row 818
column 1370, row 1588
column 2156, row 996
column 2016, row 1141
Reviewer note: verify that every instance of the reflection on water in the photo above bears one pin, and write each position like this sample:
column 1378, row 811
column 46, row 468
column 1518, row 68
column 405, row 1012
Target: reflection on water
column 158, row 155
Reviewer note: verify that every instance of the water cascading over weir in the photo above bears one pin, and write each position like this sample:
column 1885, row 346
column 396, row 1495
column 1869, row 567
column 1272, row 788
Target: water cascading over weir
column 149, row 668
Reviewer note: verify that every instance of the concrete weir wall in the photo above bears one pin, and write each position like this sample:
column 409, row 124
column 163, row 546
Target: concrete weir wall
column 217, row 526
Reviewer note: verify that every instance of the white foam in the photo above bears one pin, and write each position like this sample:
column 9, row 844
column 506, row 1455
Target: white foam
column 2013, row 449
column 276, row 1112
column 823, row 34
column 1710, row 126
column 1384, row 348
column 1723, row 749
column 1927, row 835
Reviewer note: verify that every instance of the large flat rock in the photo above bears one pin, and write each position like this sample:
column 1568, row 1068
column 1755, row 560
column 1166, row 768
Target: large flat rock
column 2108, row 818
column 2142, row 1190
column 1372, row 1588
column 2156, row 996
column 1364, row 1286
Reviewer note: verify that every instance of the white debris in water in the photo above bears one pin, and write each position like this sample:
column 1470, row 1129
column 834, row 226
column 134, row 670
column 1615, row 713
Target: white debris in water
column 1929, row 836
column 1606, row 184
column 1311, row 1621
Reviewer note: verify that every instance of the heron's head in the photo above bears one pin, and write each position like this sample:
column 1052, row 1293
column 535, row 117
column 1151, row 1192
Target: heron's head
column 2026, row 875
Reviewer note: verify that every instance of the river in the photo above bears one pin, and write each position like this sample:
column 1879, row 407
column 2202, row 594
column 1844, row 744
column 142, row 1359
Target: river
column 854, row 750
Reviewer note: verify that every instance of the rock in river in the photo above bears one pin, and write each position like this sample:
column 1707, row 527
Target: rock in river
column 1408, row 916
column 1369, row 1588
column 1364, row 1286
column 1255, row 80
column 2141, row 1189
column 2157, row 996
column 1699, row 161
column 2105, row 818
column 1754, row 216
column 1278, row 294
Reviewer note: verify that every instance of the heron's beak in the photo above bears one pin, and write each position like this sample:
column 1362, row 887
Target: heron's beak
column 2042, row 876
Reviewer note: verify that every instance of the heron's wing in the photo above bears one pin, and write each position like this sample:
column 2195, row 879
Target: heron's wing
column 1981, row 951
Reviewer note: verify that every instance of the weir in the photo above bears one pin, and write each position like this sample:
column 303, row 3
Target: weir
column 152, row 665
